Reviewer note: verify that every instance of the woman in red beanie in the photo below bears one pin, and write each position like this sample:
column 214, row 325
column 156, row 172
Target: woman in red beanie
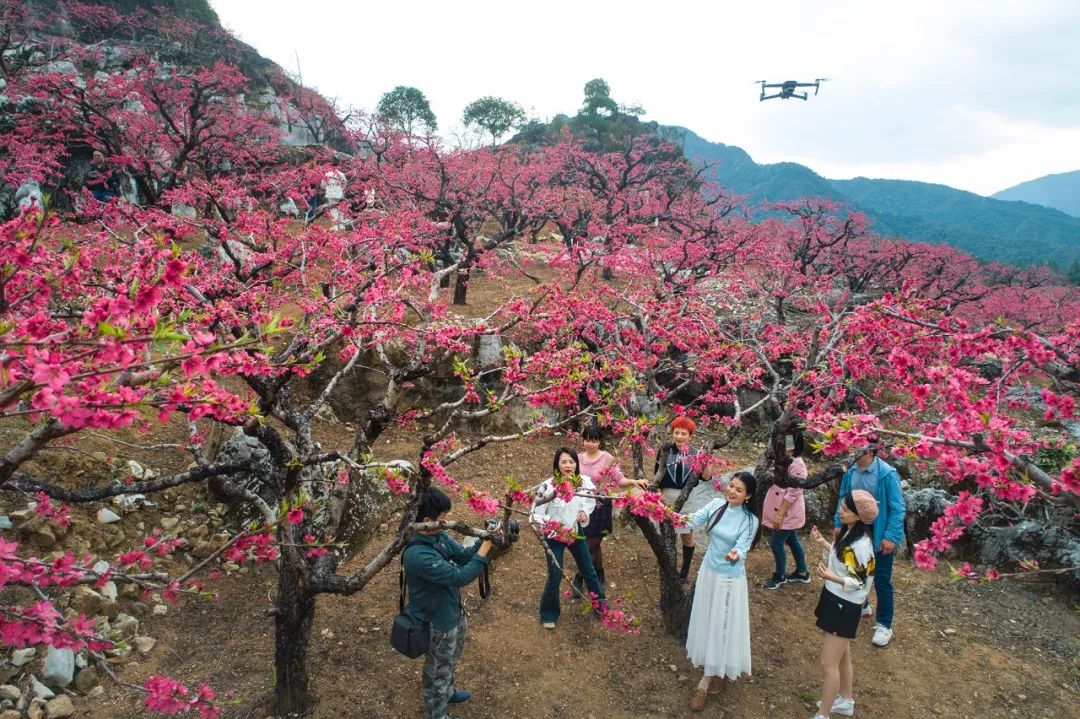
column 677, row 463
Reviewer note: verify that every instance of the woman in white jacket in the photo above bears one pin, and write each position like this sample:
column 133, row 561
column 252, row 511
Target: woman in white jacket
column 560, row 521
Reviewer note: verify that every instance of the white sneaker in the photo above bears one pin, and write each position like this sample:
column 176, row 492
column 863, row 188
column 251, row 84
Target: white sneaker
column 548, row 625
column 867, row 611
column 882, row 635
column 841, row 706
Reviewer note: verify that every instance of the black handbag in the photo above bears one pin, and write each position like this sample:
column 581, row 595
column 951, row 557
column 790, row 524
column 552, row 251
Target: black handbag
column 408, row 635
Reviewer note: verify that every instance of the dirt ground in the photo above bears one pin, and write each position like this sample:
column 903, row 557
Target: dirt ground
column 960, row 651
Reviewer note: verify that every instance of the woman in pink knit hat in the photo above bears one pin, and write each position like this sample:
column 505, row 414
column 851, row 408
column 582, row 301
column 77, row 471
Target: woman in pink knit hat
column 848, row 571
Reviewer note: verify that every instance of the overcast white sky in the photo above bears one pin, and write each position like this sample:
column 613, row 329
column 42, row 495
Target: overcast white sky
column 977, row 94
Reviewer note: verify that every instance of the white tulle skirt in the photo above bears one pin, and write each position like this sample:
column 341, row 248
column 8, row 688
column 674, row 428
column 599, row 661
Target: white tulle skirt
column 718, row 640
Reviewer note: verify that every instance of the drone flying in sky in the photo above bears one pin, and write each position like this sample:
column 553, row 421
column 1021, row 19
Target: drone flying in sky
column 787, row 89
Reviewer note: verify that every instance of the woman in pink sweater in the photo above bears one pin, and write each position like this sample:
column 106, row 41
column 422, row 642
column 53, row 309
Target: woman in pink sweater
column 784, row 513
column 604, row 470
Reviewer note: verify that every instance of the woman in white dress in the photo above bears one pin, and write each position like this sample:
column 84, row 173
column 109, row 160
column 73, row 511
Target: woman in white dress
column 718, row 639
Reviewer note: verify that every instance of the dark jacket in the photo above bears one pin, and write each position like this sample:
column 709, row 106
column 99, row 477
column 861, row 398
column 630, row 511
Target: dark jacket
column 675, row 466
column 436, row 567
column 101, row 178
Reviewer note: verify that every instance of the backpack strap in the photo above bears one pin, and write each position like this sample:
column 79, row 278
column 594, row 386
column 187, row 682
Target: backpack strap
column 485, row 583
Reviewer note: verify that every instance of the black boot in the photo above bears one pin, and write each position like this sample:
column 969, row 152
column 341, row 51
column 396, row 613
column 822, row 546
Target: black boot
column 687, row 557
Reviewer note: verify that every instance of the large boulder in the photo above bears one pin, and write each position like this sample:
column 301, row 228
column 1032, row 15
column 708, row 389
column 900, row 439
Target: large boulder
column 368, row 504
column 243, row 449
column 923, row 506
column 1049, row 545
column 361, row 389
column 821, row 505
column 357, row 391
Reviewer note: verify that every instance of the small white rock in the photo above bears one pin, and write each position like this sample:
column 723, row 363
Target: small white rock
column 107, row 516
column 144, row 644
column 40, row 690
column 20, row 657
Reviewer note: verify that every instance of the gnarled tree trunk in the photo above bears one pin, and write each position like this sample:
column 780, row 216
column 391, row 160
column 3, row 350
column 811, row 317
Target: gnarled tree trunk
column 294, row 613
column 675, row 599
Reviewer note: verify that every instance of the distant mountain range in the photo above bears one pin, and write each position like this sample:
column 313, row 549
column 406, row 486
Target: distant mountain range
column 992, row 229
column 1062, row 192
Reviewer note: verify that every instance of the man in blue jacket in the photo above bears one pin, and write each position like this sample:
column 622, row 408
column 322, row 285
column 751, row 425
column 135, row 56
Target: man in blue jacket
column 436, row 567
column 879, row 478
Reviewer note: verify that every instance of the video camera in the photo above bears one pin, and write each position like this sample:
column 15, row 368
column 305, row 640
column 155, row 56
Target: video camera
column 510, row 533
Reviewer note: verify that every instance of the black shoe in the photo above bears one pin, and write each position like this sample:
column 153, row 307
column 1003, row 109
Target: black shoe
column 803, row 577
column 775, row 582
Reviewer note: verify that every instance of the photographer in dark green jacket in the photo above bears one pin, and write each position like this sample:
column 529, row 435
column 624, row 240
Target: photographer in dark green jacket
column 436, row 567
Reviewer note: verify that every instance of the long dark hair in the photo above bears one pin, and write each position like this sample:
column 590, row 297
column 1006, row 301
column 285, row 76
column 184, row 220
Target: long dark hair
column 748, row 505
column 797, row 444
column 555, row 462
column 848, row 535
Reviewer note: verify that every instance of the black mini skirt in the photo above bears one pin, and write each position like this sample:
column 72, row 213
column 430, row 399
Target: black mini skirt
column 837, row 616
column 600, row 521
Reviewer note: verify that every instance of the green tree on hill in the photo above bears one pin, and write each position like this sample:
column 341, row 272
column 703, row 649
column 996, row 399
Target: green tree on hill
column 406, row 109
column 494, row 115
column 598, row 99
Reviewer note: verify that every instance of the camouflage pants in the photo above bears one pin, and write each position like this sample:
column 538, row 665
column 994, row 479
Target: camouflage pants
column 437, row 685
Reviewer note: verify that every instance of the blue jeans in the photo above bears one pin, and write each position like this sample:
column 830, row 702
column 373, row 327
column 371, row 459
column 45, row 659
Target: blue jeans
column 883, row 587
column 779, row 538
column 549, row 600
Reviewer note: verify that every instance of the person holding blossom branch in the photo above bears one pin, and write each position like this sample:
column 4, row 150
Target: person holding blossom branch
column 848, row 571
column 784, row 513
column 603, row 469
column 678, row 463
column 718, row 639
column 560, row 520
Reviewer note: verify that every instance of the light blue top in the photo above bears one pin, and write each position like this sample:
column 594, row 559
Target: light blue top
column 865, row 479
column 735, row 530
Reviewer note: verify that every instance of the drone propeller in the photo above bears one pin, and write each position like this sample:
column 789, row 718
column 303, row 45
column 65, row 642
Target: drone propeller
column 822, row 79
